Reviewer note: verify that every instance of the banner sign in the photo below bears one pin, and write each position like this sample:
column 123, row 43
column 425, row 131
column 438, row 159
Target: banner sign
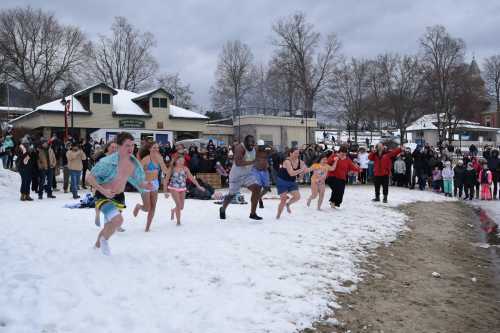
column 131, row 123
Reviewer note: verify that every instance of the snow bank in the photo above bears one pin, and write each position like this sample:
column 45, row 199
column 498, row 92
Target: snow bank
column 206, row 276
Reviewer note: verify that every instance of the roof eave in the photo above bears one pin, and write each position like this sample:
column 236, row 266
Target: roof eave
column 118, row 115
column 143, row 97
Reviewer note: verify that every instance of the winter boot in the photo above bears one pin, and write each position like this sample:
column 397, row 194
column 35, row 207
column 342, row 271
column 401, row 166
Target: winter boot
column 385, row 199
column 23, row 197
column 376, row 199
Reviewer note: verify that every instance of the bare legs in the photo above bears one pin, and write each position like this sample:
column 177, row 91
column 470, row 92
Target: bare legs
column 153, row 198
column 285, row 201
column 149, row 200
column 109, row 229
column 317, row 190
column 179, row 198
column 146, row 203
column 254, row 201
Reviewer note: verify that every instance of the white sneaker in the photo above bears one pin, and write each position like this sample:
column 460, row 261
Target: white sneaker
column 338, row 208
column 105, row 246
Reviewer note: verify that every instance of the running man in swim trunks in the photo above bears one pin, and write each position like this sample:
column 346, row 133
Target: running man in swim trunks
column 241, row 176
column 152, row 162
column 109, row 177
column 260, row 169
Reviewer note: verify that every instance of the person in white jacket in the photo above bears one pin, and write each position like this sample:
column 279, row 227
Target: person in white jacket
column 399, row 171
column 363, row 164
column 448, row 175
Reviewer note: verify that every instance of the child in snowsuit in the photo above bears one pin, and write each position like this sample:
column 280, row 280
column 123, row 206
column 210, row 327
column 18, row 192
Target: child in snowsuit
column 485, row 179
column 470, row 179
column 448, row 175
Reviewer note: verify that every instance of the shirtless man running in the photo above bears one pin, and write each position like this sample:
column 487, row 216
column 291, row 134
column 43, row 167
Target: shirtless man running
column 261, row 169
column 109, row 177
column 241, row 176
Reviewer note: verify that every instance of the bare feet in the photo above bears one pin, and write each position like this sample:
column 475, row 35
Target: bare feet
column 288, row 208
column 309, row 202
column 172, row 212
column 178, row 224
column 136, row 209
column 146, row 230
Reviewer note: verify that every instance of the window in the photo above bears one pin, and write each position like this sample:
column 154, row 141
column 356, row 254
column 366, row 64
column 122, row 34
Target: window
column 160, row 102
column 96, row 98
column 101, row 98
column 106, row 99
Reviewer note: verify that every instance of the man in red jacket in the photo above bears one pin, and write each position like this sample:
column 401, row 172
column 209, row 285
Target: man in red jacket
column 382, row 166
column 337, row 178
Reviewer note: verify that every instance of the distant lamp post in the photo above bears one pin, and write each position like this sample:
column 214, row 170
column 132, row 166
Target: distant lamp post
column 65, row 103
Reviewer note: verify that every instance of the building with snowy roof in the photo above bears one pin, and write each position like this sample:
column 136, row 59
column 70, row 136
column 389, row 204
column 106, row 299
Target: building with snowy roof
column 425, row 130
column 100, row 111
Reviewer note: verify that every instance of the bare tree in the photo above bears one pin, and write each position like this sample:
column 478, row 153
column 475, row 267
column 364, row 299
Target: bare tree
column 401, row 83
column 39, row 52
column 442, row 56
column 123, row 60
column 183, row 95
column 233, row 77
column 492, row 78
column 282, row 86
column 349, row 91
column 312, row 65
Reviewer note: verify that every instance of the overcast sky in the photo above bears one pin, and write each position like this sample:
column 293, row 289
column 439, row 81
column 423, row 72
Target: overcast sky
column 190, row 33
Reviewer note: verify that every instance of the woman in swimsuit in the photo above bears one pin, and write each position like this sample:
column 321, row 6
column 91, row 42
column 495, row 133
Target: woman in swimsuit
column 152, row 162
column 320, row 170
column 286, row 180
column 175, row 183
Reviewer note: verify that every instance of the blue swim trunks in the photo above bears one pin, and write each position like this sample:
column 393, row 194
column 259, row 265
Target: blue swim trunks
column 285, row 186
column 110, row 207
column 262, row 177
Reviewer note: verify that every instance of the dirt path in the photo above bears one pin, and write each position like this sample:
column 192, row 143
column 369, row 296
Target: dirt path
column 399, row 294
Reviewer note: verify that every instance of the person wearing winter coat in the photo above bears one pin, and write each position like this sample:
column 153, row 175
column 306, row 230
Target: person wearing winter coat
column 437, row 179
column 420, row 168
column 458, row 179
column 76, row 158
column 485, row 178
column 407, row 157
column 382, row 165
column 477, row 166
column 25, row 168
column 363, row 164
column 494, row 167
column 46, row 168
column 448, row 176
column 470, row 179
column 399, row 171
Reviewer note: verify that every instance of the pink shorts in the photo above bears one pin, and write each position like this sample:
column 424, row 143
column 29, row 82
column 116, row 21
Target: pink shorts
column 177, row 189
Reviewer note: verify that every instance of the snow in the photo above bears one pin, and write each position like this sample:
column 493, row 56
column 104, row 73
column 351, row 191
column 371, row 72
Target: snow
column 178, row 112
column 123, row 104
column 57, row 105
column 14, row 109
column 205, row 276
column 428, row 121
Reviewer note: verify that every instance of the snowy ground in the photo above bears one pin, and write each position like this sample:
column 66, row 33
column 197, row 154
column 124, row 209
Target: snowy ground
column 206, row 276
